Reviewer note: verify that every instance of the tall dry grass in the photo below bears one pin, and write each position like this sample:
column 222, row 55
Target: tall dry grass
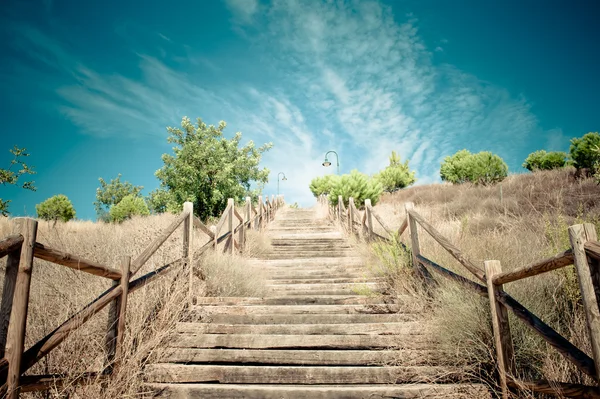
column 153, row 311
column 523, row 223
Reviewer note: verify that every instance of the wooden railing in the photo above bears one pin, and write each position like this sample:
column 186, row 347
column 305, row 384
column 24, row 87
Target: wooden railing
column 584, row 254
column 21, row 250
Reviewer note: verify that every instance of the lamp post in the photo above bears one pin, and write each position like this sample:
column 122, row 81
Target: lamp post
column 284, row 179
column 337, row 159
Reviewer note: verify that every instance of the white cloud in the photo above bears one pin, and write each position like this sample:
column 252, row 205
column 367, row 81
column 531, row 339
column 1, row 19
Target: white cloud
column 243, row 10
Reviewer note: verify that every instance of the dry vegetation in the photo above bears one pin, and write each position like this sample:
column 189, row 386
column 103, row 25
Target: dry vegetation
column 58, row 292
column 523, row 221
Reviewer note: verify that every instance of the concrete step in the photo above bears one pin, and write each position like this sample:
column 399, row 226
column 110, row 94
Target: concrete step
column 235, row 391
column 404, row 328
column 166, row 372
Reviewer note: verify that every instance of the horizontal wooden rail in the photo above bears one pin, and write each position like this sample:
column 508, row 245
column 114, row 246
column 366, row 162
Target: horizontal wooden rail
column 237, row 215
column 561, row 344
column 153, row 247
column 555, row 262
column 593, row 249
column 403, row 226
column 10, row 244
column 198, row 223
column 75, row 262
column 448, row 246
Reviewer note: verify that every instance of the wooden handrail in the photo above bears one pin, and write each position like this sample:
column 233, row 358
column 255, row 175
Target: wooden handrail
column 593, row 249
column 198, row 223
column 380, row 220
column 75, row 262
column 10, row 244
column 237, row 215
column 562, row 259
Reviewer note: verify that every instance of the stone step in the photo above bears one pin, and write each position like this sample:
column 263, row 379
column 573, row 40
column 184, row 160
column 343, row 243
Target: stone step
column 223, row 374
column 235, row 391
column 296, row 309
column 300, row 357
column 309, row 319
column 291, row 341
column 292, row 300
column 404, row 328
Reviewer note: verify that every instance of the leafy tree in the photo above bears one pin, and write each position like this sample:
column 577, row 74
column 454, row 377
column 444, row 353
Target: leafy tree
column 207, row 168
column 11, row 177
column 542, row 160
column 129, row 206
column 396, row 176
column 583, row 150
column 109, row 194
column 160, row 201
column 323, row 184
column 481, row 168
column 56, row 208
column 358, row 186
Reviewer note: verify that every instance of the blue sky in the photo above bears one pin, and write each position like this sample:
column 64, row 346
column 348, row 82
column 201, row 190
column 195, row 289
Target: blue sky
column 89, row 87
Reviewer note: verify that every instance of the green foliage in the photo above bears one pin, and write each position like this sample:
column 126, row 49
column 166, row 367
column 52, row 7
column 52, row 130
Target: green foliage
column 109, row 194
column 481, row 168
column 11, row 177
column 56, row 208
column 583, row 150
column 161, row 201
column 396, row 176
column 542, row 160
column 358, row 186
column 207, row 168
column 129, row 206
column 323, row 184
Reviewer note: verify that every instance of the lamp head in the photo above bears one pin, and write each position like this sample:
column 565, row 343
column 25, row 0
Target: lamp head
column 326, row 163
column 284, row 178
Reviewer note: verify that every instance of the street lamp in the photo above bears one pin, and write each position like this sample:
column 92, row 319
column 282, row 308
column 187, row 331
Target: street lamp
column 337, row 159
column 284, row 179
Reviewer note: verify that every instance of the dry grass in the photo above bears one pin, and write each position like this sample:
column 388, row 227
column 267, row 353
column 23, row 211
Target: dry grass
column 58, row 292
column 527, row 223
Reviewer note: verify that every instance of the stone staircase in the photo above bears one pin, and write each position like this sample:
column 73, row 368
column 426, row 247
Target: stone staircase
column 313, row 336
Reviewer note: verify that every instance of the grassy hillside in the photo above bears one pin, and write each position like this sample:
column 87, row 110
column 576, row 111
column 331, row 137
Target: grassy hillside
column 58, row 292
column 518, row 222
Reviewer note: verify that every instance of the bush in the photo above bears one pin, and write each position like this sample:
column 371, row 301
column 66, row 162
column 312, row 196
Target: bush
column 584, row 152
column 542, row 160
column 111, row 193
column 56, row 208
column 396, row 176
column 358, row 186
column 129, row 206
column 323, row 185
column 481, row 168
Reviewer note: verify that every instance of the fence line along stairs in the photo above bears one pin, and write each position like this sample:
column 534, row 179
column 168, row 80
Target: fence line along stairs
column 312, row 336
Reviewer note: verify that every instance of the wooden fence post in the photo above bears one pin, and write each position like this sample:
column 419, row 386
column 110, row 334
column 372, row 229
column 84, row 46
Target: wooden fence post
column 110, row 341
column 230, row 217
column 16, row 329
column 122, row 314
column 8, row 293
column 501, row 327
column 369, row 214
column 188, row 236
column 260, row 213
column 579, row 234
column 414, row 236
column 248, row 215
column 351, row 215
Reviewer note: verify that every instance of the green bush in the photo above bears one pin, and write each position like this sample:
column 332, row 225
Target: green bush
column 358, row 186
column 542, row 160
column 129, row 206
column 396, row 176
column 584, row 152
column 481, row 168
column 161, row 201
column 56, row 208
column 323, row 185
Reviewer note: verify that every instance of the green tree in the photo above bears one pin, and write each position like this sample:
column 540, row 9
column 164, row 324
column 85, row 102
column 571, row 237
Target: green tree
column 583, row 150
column 129, row 206
column 160, row 201
column 542, row 160
column 56, row 208
column 10, row 176
column 396, row 176
column 207, row 168
column 323, row 184
column 109, row 194
column 481, row 168
column 358, row 186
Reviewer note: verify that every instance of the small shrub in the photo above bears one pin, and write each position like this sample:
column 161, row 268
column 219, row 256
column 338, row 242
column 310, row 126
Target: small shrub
column 583, row 150
column 542, row 160
column 482, row 168
column 358, row 186
column 128, row 207
column 396, row 176
column 323, row 185
column 56, row 208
